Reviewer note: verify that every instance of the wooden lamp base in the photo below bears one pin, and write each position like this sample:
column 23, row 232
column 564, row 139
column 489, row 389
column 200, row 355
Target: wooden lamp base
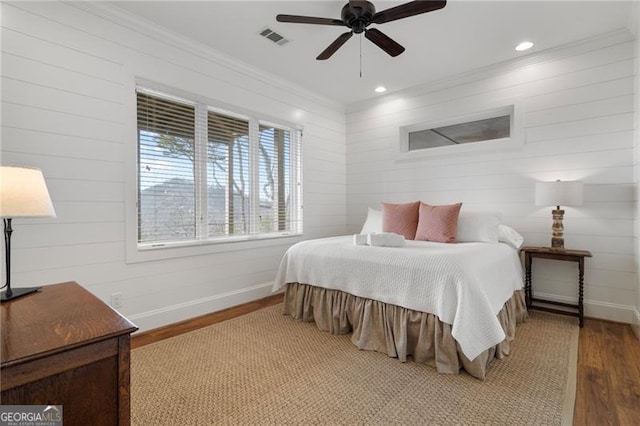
column 557, row 230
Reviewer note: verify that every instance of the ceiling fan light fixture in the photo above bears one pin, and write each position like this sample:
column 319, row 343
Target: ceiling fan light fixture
column 525, row 45
column 357, row 15
column 380, row 89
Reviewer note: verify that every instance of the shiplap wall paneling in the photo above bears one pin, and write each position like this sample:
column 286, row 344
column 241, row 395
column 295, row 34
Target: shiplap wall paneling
column 68, row 73
column 577, row 106
column 635, row 26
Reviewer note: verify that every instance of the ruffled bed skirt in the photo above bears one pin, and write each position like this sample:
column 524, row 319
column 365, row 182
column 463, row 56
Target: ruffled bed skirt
column 397, row 331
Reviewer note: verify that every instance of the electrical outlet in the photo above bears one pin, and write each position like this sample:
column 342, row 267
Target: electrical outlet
column 116, row 300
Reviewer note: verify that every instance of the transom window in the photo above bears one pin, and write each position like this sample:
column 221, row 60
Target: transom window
column 207, row 175
column 468, row 129
column 469, row 132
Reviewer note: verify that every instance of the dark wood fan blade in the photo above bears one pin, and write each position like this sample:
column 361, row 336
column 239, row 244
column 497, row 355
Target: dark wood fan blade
column 383, row 42
column 333, row 47
column 295, row 19
column 408, row 9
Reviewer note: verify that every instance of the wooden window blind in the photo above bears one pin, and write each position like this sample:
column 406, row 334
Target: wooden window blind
column 166, row 170
column 211, row 175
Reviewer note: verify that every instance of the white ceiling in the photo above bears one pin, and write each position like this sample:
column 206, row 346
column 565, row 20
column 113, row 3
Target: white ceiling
column 465, row 35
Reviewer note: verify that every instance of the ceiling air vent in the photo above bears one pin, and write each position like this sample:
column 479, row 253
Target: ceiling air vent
column 278, row 39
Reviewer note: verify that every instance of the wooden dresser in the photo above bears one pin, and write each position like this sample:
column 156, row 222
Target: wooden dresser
column 64, row 346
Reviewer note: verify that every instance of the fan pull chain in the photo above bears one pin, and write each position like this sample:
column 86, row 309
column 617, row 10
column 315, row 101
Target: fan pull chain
column 361, row 55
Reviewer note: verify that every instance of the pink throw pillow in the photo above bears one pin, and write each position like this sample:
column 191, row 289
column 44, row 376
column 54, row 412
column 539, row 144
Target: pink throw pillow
column 400, row 219
column 438, row 223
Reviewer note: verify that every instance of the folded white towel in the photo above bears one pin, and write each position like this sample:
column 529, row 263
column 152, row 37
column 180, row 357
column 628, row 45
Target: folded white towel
column 385, row 239
column 360, row 239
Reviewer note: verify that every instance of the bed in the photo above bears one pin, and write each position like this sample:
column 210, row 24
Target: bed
column 453, row 306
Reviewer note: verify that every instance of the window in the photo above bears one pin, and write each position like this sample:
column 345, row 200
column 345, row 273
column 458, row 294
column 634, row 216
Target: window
column 456, row 134
column 469, row 132
column 206, row 175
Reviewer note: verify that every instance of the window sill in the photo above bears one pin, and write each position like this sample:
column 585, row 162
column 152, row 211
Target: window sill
column 153, row 252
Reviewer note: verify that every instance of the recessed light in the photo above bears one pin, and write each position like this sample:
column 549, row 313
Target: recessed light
column 380, row 89
column 525, row 45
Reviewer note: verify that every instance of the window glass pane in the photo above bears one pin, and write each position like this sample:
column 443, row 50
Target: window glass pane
column 166, row 191
column 228, row 175
column 274, row 179
column 470, row 132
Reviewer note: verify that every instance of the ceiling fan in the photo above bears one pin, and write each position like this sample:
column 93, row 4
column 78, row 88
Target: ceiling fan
column 358, row 15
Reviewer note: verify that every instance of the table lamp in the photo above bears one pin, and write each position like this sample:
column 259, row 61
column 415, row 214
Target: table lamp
column 558, row 193
column 23, row 193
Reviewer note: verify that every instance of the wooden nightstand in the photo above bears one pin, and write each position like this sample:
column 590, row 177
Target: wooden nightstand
column 549, row 253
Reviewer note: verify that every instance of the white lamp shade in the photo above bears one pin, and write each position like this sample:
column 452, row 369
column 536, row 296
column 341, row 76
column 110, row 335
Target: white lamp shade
column 23, row 193
column 559, row 193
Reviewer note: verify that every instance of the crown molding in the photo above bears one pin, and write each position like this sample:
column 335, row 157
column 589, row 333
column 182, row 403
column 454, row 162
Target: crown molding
column 596, row 42
column 138, row 24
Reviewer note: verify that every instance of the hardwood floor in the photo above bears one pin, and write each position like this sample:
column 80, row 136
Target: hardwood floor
column 608, row 381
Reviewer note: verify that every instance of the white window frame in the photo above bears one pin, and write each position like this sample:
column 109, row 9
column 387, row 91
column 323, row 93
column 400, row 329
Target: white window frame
column 468, row 114
column 137, row 252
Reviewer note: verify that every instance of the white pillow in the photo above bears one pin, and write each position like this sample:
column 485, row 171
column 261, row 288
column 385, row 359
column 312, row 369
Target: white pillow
column 373, row 222
column 508, row 235
column 478, row 227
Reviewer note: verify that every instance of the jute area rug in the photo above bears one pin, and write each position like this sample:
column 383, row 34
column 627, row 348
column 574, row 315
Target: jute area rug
column 266, row 368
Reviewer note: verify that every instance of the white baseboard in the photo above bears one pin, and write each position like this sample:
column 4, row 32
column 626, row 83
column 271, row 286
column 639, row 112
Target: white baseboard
column 635, row 325
column 193, row 308
column 594, row 309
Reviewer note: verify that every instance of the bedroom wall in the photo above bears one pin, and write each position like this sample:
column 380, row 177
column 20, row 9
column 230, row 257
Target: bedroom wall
column 68, row 107
column 634, row 24
column 578, row 115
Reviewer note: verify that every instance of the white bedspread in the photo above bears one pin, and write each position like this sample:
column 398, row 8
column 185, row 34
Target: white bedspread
column 464, row 284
